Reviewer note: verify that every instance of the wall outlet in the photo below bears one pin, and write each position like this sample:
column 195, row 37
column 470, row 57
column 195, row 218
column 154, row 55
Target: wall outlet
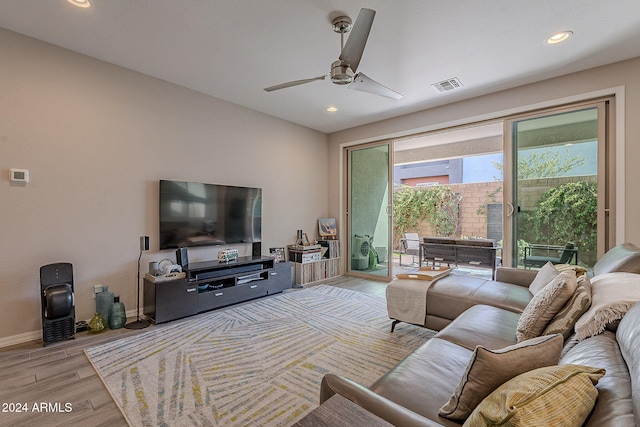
column 97, row 289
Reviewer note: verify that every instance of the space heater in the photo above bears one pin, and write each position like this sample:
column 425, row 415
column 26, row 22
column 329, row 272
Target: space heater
column 360, row 253
column 58, row 307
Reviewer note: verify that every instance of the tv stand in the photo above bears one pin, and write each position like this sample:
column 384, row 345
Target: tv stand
column 213, row 284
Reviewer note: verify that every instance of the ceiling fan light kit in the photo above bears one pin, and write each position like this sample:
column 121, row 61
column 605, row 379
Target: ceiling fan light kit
column 341, row 73
column 343, row 70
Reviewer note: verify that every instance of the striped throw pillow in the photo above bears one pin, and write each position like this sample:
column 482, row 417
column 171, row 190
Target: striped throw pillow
column 553, row 396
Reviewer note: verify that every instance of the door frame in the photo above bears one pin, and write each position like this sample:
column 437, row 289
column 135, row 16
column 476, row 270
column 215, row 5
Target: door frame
column 607, row 172
column 346, row 213
column 617, row 124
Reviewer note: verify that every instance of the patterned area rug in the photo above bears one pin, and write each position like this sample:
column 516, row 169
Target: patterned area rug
column 256, row 364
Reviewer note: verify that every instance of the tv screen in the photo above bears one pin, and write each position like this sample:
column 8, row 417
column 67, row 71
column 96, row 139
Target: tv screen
column 197, row 214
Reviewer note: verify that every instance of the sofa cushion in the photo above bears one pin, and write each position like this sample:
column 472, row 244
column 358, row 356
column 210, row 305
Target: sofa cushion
column 546, row 304
column 554, row 396
column 497, row 331
column 629, row 341
column 425, row 378
column 488, row 369
column 624, row 257
column 450, row 296
column 545, row 275
column 564, row 321
column 615, row 402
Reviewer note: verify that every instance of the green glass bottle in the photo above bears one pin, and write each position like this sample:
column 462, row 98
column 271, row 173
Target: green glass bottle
column 96, row 324
column 117, row 314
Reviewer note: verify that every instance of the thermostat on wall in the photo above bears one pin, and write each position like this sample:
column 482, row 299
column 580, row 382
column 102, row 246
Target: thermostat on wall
column 19, row 175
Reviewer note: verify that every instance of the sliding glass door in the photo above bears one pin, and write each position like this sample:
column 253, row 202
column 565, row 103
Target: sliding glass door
column 557, row 196
column 369, row 210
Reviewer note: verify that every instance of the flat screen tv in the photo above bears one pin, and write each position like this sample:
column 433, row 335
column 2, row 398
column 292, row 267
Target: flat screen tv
column 197, row 214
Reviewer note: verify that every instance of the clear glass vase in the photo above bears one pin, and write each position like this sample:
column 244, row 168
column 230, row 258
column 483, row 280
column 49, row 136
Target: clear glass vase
column 117, row 314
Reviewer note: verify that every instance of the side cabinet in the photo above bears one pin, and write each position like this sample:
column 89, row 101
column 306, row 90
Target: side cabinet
column 170, row 300
column 280, row 277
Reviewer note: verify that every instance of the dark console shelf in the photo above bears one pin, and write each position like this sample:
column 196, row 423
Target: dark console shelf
column 213, row 284
column 199, row 271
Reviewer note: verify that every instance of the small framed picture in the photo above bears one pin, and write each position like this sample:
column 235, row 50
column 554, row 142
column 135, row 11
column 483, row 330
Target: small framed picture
column 305, row 240
column 277, row 254
column 327, row 228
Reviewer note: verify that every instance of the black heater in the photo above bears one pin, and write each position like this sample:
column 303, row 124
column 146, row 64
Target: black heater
column 58, row 308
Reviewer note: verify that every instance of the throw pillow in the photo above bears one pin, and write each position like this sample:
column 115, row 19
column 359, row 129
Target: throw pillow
column 578, row 304
column 546, row 304
column 553, row 396
column 488, row 369
column 578, row 269
column 545, row 275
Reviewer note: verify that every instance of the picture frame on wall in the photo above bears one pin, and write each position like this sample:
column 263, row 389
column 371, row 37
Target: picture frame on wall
column 277, row 254
column 327, row 228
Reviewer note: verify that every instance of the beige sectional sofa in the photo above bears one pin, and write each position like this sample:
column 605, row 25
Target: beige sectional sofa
column 470, row 313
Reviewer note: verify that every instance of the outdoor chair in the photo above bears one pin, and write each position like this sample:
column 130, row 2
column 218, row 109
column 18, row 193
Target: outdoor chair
column 539, row 255
column 410, row 245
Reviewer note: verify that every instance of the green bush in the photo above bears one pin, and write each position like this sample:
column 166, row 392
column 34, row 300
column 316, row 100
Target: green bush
column 565, row 213
column 438, row 205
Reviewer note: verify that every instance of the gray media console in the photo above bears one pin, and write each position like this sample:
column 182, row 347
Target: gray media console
column 213, row 284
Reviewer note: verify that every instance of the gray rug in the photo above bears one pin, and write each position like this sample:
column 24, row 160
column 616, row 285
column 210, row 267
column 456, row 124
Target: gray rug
column 256, row 364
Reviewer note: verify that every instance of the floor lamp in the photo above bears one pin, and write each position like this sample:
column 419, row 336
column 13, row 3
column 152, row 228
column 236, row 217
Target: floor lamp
column 140, row 323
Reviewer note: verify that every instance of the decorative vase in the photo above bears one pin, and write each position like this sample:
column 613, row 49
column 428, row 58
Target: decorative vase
column 104, row 301
column 96, row 324
column 117, row 314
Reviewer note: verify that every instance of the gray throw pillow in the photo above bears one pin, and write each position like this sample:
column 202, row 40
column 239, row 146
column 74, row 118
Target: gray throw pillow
column 545, row 305
column 488, row 369
column 545, row 275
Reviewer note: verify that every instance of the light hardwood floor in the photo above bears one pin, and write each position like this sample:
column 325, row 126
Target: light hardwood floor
column 61, row 373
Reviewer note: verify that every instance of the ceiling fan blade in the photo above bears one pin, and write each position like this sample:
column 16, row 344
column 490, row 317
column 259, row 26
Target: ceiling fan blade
column 364, row 83
column 353, row 48
column 294, row 83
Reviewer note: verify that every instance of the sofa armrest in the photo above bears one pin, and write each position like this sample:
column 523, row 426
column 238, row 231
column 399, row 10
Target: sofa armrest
column 516, row 276
column 378, row 405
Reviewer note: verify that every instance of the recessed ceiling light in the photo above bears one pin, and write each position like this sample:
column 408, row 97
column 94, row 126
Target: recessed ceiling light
column 332, row 109
column 559, row 37
column 80, row 3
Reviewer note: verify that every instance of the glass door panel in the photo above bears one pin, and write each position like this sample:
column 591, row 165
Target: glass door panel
column 556, row 167
column 368, row 211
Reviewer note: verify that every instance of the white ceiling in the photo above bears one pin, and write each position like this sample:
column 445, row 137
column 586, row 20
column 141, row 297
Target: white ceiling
column 232, row 49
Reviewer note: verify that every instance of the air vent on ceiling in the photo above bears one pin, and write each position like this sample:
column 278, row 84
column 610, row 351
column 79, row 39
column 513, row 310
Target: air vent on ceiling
column 447, row 85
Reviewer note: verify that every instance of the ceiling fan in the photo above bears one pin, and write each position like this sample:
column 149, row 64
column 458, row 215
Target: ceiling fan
column 343, row 70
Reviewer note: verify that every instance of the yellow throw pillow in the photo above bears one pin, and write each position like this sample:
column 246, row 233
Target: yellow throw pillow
column 561, row 395
column 580, row 271
column 488, row 369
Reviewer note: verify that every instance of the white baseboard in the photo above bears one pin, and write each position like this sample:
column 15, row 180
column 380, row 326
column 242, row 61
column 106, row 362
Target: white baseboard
column 37, row 335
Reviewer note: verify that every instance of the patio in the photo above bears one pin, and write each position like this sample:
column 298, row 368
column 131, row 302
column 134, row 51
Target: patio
column 463, row 271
